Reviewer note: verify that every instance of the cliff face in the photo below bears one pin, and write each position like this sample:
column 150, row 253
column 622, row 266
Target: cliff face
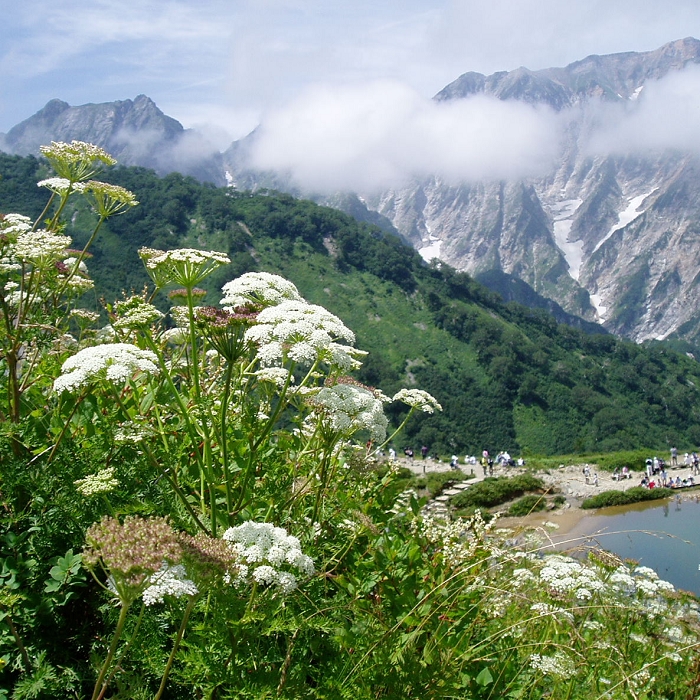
column 135, row 132
column 613, row 239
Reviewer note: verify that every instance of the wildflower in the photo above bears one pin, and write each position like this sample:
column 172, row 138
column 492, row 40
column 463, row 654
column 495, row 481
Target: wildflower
column 61, row 185
column 258, row 289
column 168, row 580
column 135, row 312
column 84, row 316
column 299, row 331
column 114, row 362
column 416, row 398
column 109, row 200
column 183, row 266
column 209, row 559
column 38, row 247
column 275, row 375
column 225, row 330
column 131, row 552
column 179, row 296
column 77, row 161
column 558, row 665
column 95, row 484
column 563, row 575
column 267, row 549
column 75, row 265
column 13, row 224
column 347, row 408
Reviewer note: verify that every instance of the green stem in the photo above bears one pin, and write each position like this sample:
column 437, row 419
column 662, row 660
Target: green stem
column 224, row 441
column 177, row 489
column 176, row 645
column 398, row 430
column 81, row 257
column 123, row 654
column 110, row 654
column 43, row 213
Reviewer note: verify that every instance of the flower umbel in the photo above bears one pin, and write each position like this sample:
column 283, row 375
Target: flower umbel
column 263, row 550
column 76, row 161
column 113, row 361
column 258, row 289
column 131, row 552
column 417, row 398
column 301, row 332
column 184, row 266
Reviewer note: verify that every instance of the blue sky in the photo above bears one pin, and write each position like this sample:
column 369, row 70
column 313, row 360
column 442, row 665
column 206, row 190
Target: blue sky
column 227, row 63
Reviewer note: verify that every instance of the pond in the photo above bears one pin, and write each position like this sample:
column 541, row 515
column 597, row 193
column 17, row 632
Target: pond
column 662, row 535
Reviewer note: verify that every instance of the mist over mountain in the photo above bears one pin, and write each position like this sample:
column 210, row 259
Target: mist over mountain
column 579, row 181
column 135, row 132
column 603, row 219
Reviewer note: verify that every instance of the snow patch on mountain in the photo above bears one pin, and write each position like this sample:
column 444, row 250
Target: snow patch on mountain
column 625, row 217
column 563, row 216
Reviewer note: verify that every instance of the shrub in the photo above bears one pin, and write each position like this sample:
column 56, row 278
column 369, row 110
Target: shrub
column 621, row 498
column 494, row 491
column 527, row 504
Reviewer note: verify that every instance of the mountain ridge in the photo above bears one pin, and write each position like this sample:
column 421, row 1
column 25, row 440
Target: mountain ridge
column 609, row 237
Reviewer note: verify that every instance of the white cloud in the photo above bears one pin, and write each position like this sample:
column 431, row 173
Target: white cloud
column 666, row 115
column 380, row 135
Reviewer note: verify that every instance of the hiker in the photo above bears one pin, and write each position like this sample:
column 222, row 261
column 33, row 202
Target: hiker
column 674, row 457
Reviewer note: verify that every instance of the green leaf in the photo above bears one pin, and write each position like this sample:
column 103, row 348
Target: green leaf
column 484, row 678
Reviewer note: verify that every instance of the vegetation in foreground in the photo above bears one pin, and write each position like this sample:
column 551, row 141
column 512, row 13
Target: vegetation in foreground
column 190, row 509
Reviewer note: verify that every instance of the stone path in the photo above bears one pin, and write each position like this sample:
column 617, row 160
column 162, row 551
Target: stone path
column 438, row 506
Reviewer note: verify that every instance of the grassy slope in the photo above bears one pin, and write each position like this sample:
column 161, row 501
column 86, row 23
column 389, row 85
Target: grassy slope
column 508, row 377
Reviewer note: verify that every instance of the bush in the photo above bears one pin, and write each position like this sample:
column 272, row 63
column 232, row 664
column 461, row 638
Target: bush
column 622, row 498
column 494, row 491
column 527, row 504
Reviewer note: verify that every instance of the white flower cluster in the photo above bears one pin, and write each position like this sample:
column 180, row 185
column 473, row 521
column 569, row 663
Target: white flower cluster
column 545, row 609
column 349, row 408
column 642, row 580
column 275, row 375
column 116, row 362
column 60, row 185
column 170, row 580
column 303, row 333
column 558, row 665
column 262, row 550
column 13, row 224
column 39, row 246
column 184, row 266
column 95, row 484
column 563, row 575
column 258, row 288
column 417, row 398
column 76, row 161
column 135, row 312
column 84, row 315
column 457, row 540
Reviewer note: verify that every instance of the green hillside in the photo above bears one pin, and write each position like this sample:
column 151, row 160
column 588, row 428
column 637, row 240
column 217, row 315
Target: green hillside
column 508, row 377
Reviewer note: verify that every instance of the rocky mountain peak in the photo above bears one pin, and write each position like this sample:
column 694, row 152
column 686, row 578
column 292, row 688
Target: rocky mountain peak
column 611, row 77
column 135, row 132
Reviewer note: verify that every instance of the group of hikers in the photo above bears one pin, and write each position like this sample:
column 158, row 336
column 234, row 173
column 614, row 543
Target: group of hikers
column 487, row 461
column 657, row 476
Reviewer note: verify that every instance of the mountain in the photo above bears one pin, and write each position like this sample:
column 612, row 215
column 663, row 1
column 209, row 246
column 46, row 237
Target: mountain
column 610, row 238
column 135, row 132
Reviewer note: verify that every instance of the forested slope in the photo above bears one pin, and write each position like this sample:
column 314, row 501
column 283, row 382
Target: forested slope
column 507, row 376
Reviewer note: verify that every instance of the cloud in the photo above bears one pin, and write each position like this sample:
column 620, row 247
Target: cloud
column 665, row 116
column 383, row 134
